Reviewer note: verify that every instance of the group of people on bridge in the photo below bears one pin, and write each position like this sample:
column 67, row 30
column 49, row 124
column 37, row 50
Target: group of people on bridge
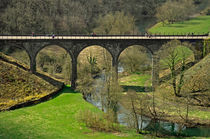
column 53, row 35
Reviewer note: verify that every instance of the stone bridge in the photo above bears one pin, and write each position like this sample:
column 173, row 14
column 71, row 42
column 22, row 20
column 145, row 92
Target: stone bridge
column 114, row 44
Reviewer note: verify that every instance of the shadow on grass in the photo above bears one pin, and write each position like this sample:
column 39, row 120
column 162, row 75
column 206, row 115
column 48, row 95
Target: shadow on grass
column 193, row 23
column 60, row 85
column 49, row 79
column 176, row 26
column 67, row 89
column 137, row 88
column 199, row 18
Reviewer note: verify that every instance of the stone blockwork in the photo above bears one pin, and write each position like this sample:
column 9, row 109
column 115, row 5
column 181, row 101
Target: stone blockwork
column 113, row 46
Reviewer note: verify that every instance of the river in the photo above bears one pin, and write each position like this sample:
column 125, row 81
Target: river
column 124, row 117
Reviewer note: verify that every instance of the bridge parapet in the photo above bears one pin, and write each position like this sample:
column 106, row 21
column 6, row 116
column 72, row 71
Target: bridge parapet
column 103, row 37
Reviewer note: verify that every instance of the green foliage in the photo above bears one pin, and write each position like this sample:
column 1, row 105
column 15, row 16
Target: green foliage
column 93, row 64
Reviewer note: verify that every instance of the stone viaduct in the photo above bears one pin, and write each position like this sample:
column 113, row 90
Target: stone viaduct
column 114, row 44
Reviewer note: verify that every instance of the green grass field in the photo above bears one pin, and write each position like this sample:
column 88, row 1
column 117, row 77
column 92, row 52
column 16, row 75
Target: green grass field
column 136, row 80
column 198, row 25
column 54, row 119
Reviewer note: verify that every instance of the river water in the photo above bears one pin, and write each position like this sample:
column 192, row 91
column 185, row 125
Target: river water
column 124, row 117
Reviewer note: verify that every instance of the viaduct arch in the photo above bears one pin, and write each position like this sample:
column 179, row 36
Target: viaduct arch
column 113, row 44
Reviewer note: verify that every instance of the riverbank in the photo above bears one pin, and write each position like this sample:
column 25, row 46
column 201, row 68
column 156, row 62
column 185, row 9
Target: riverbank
column 198, row 116
column 175, row 108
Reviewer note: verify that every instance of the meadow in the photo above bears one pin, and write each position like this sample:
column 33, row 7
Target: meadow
column 198, row 25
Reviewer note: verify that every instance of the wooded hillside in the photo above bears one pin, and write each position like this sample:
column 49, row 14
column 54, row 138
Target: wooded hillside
column 70, row 16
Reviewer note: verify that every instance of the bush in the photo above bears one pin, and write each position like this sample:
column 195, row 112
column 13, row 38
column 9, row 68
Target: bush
column 197, row 1
column 99, row 122
column 208, row 11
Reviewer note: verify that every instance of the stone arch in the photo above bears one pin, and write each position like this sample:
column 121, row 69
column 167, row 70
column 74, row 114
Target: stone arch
column 99, row 45
column 135, row 44
column 50, row 44
column 152, row 47
column 103, row 60
column 187, row 44
column 136, row 53
column 61, row 68
column 20, row 46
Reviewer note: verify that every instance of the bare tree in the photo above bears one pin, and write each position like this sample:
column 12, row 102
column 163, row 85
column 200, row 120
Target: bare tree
column 133, row 98
column 113, row 91
column 135, row 59
column 173, row 11
column 116, row 23
column 171, row 58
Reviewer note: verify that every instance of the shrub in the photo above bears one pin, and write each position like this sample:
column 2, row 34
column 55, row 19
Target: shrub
column 100, row 122
column 208, row 12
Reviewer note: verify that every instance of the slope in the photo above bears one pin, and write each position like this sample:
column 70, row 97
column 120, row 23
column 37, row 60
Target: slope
column 18, row 85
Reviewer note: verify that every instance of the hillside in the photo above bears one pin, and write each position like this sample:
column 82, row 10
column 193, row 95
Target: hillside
column 197, row 25
column 18, row 85
column 196, row 83
column 196, row 87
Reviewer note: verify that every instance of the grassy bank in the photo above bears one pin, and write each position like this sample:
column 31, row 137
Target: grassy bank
column 57, row 118
column 18, row 85
column 198, row 25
